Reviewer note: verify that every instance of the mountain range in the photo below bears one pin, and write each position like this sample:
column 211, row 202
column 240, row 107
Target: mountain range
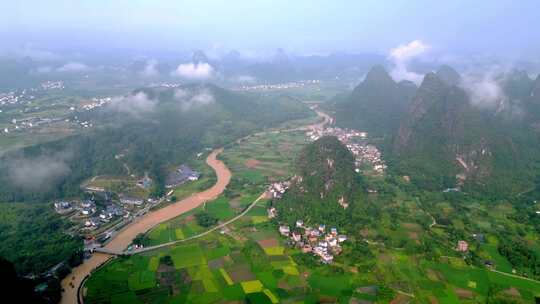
column 441, row 138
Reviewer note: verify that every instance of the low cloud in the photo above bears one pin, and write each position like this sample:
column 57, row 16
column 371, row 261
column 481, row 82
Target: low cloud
column 37, row 54
column 196, row 71
column 38, row 174
column 150, row 69
column 486, row 92
column 401, row 57
column 244, row 79
column 192, row 100
column 73, row 67
column 484, row 88
column 134, row 104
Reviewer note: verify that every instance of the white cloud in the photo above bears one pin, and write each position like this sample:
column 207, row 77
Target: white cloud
column 37, row 54
column 150, row 69
column 484, row 89
column 189, row 100
column 408, row 51
column 134, row 104
column 73, row 67
column 38, row 173
column 194, row 71
column 402, row 55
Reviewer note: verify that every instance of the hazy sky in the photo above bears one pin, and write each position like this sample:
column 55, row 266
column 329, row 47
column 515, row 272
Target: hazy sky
column 501, row 27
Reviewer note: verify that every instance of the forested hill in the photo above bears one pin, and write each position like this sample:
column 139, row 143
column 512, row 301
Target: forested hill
column 325, row 187
column 152, row 128
column 446, row 141
column 376, row 105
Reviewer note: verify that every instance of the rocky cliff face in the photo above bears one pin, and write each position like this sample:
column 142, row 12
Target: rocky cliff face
column 442, row 134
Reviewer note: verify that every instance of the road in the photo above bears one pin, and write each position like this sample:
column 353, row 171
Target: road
column 124, row 237
column 515, row 276
column 326, row 120
column 234, row 219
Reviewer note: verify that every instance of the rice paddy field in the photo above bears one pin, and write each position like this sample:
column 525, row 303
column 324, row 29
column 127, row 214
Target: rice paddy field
column 264, row 157
column 186, row 226
column 249, row 262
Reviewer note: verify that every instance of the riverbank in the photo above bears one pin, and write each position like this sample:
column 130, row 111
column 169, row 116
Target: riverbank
column 124, row 238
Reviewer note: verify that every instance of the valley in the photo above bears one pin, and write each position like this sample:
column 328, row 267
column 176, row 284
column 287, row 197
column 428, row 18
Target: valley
column 270, row 152
column 411, row 268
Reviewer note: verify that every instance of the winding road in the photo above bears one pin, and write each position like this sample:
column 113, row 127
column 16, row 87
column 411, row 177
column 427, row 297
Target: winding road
column 124, row 237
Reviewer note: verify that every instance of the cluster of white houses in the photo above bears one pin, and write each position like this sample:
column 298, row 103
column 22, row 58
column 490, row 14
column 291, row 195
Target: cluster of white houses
column 52, row 85
column 96, row 103
column 354, row 140
column 277, row 189
column 318, row 241
column 278, row 86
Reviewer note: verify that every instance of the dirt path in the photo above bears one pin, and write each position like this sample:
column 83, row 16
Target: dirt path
column 515, row 276
column 145, row 223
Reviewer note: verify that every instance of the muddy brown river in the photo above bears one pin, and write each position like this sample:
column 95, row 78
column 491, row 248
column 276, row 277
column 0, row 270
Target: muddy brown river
column 124, row 238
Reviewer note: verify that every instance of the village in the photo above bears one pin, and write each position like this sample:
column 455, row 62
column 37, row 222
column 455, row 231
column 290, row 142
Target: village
column 316, row 241
column 278, row 86
column 24, row 95
column 309, row 240
column 101, row 213
column 356, row 142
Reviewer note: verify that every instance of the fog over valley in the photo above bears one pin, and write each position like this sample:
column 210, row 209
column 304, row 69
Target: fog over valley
column 270, row 151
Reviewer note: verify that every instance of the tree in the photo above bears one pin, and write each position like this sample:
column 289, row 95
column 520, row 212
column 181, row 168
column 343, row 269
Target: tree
column 138, row 240
column 205, row 219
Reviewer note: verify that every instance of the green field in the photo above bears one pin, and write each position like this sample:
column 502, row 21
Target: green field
column 406, row 259
column 264, row 157
column 234, row 267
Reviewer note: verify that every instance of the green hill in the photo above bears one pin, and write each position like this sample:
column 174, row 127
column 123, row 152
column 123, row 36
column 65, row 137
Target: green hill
column 325, row 182
column 376, row 105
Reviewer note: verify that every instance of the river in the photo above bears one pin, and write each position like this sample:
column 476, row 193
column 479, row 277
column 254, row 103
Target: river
column 124, row 238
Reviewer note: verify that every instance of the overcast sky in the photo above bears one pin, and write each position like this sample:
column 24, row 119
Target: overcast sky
column 499, row 27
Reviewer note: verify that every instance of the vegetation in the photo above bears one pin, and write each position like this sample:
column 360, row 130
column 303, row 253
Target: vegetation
column 325, row 177
column 34, row 238
column 376, row 105
column 205, row 219
column 149, row 140
column 402, row 239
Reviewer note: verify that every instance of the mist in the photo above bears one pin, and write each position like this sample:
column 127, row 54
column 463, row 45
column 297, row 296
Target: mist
column 45, row 30
column 40, row 173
